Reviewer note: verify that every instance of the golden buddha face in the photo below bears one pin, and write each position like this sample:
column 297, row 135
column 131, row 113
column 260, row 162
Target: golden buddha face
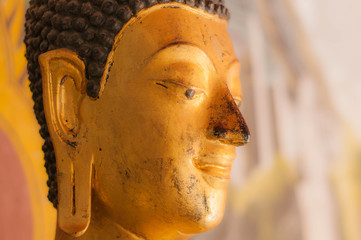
column 163, row 133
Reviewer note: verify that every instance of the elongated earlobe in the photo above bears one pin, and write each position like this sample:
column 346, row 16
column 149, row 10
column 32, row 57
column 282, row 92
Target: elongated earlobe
column 74, row 193
column 64, row 89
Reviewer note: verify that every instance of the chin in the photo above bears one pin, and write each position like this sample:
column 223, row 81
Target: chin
column 205, row 221
column 212, row 221
column 204, row 225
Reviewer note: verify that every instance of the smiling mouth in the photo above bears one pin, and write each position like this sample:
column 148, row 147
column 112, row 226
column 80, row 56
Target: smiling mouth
column 215, row 165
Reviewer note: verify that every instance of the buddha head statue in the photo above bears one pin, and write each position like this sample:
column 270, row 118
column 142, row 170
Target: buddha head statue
column 137, row 103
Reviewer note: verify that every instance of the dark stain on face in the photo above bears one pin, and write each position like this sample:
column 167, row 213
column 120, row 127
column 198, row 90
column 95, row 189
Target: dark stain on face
column 72, row 144
column 175, row 181
column 219, row 131
column 205, row 203
column 227, row 123
column 127, row 174
column 190, row 150
column 161, row 164
column 192, row 183
column 176, row 185
column 204, row 39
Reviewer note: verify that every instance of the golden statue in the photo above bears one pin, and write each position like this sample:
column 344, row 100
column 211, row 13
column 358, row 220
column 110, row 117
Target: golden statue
column 137, row 102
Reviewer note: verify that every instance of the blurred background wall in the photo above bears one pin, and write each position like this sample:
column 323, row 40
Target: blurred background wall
column 25, row 212
column 299, row 178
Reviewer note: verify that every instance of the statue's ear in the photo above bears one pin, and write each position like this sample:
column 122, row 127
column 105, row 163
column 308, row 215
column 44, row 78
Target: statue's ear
column 64, row 89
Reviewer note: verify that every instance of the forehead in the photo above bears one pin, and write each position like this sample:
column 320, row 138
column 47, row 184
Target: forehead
column 165, row 25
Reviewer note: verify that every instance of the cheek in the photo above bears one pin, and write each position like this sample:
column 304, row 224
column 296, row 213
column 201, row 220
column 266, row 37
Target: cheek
column 190, row 201
column 149, row 147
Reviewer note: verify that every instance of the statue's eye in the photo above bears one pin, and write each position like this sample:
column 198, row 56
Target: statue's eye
column 180, row 90
column 190, row 93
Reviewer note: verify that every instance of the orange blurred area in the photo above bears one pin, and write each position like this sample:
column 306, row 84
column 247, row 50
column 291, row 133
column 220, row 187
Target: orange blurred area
column 298, row 179
column 25, row 212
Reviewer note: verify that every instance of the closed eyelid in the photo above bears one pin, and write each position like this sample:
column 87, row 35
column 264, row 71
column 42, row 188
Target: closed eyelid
column 183, row 73
column 163, row 82
column 181, row 91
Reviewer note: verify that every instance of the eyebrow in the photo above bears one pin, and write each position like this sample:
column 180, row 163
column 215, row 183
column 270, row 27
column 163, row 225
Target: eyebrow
column 178, row 45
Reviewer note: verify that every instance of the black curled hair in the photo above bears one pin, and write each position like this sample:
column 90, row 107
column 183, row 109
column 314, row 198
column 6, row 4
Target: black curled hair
column 87, row 27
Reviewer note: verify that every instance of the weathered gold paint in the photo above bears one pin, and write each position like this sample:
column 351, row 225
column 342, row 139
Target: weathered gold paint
column 151, row 157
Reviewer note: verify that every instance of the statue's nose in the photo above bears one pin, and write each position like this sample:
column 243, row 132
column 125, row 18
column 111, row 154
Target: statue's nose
column 227, row 124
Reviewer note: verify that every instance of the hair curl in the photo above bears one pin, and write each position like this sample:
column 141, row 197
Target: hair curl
column 87, row 27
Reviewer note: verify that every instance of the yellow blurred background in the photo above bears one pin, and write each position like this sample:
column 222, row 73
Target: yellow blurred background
column 25, row 212
column 299, row 179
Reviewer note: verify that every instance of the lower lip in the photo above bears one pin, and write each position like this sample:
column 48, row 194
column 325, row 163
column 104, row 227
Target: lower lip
column 217, row 176
column 214, row 170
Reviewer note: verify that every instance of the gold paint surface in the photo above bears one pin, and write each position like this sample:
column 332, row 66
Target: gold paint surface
column 151, row 158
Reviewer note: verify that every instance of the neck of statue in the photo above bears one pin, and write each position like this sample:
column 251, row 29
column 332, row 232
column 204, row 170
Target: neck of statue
column 99, row 228
column 104, row 228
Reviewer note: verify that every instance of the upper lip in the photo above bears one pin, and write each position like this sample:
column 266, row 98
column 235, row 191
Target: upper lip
column 218, row 165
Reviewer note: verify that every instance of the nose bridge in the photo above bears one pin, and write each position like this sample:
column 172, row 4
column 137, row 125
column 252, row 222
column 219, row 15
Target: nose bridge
column 227, row 124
